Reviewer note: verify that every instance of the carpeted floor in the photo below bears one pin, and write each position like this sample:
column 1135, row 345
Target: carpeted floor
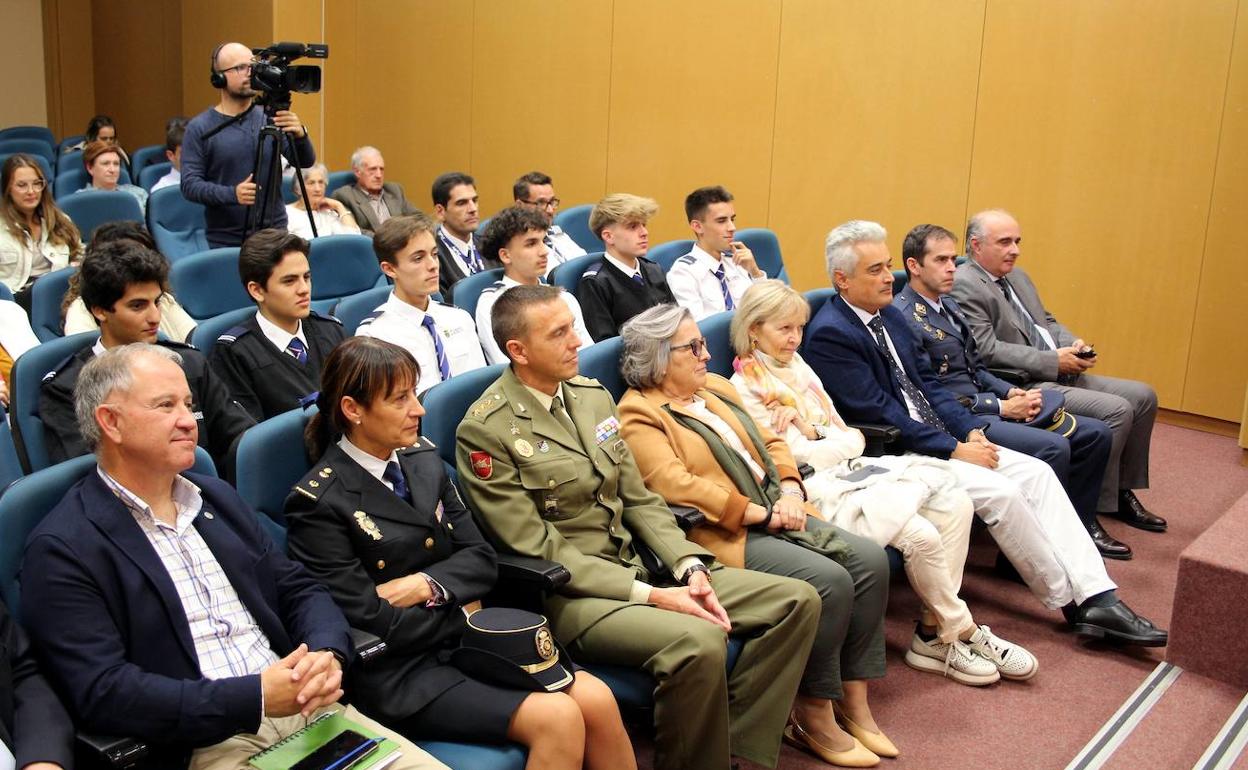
column 1044, row 723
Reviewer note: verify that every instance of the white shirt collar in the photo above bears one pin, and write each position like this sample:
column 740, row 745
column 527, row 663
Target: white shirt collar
column 368, row 462
column 935, row 304
column 98, row 348
column 623, row 268
column 707, row 258
column 863, row 315
column 277, row 335
column 187, row 500
column 406, row 309
column 463, row 245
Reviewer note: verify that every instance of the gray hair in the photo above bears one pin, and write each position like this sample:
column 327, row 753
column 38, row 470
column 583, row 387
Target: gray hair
column 321, row 167
column 647, row 344
column 104, row 375
column 838, row 249
column 357, row 157
column 975, row 225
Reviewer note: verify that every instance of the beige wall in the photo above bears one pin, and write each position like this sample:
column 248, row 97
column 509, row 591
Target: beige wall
column 25, row 96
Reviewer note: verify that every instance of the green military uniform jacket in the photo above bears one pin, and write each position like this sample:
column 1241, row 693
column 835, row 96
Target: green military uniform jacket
column 579, row 500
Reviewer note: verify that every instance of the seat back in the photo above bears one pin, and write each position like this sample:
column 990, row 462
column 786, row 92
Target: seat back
column 152, row 173
column 36, row 147
column 718, row 342
column 568, row 275
column 144, row 157
column 91, row 208
column 351, row 310
column 32, row 497
column 817, row 297
column 468, row 290
column 68, row 161
column 69, row 141
column 602, row 362
column 341, row 265
column 177, row 224
column 900, row 279
column 338, row 179
column 44, row 164
column 666, row 254
column 10, row 465
column 271, row 460
column 447, row 402
column 27, row 374
column 575, row 222
column 208, row 330
column 29, row 132
column 45, row 303
column 73, row 179
column 765, row 246
column 207, row 284
column 6, row 294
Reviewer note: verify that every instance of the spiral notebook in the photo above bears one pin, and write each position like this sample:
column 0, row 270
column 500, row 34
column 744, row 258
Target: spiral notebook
column 317, row 733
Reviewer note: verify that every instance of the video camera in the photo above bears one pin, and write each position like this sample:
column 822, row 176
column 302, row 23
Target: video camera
column 275, row 79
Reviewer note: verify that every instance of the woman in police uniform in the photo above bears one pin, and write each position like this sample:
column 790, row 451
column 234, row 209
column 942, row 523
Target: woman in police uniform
column 378, row 521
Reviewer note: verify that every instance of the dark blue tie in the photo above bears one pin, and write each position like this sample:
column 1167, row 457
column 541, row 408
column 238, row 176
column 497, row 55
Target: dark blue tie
column 444, row 366
column 394, row 475
column 723, row 287
column 297, row 350
column 637, row 279
column 924, row 407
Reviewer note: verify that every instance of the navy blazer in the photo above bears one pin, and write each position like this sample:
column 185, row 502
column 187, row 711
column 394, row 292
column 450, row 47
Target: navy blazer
column 33, row 723
column 950, row 347
column 858, row 376
column 113, row 637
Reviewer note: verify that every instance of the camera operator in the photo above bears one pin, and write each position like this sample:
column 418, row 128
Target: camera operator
column 219, row 151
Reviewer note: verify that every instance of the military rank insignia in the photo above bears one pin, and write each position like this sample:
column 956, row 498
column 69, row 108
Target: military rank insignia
column 482, row 464
column 367, row 525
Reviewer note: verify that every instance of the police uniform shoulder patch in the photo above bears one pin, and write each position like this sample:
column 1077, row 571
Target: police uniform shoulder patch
column 592, row 270
column 229, row 336
column 373, row 316
column 320, row 317
column 58, row 367
column 687, row 259
column 492, row 287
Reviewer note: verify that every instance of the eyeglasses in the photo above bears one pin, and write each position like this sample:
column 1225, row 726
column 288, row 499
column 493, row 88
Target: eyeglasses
column 553, row 203
column 694, row 346
column 239, row 68
column 35, row 186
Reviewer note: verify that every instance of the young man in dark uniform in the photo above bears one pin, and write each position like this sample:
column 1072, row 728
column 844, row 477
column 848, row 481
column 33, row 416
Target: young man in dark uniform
column 274, row 359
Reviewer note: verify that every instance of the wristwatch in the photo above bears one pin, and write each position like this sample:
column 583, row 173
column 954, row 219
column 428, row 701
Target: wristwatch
column 685, row 578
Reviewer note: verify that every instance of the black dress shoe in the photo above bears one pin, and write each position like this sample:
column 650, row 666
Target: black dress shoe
column 1107, row 544
column 1117, row 622
column 1133, row 512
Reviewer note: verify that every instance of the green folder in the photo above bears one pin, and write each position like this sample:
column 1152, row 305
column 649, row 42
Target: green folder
column 317, row 733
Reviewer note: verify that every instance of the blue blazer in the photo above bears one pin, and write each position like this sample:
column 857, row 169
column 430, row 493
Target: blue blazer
column 950, row 347
column 111, row 632
column 858, row 376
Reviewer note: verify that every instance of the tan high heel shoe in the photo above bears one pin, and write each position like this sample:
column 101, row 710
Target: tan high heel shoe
column 877, row 743
column 858, row 756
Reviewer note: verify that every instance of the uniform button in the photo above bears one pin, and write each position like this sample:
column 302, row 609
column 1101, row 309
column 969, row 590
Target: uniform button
column 612, row 528
column 450, row 526
column 602, row 499
column 381, row 564
column 429, row 543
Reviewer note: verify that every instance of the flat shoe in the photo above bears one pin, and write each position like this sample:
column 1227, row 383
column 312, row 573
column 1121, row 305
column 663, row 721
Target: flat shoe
column 858, row 756
column 876, row 743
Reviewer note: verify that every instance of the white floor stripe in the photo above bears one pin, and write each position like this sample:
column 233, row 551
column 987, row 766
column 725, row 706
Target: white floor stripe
column 1135, row 708
column 1221, row 754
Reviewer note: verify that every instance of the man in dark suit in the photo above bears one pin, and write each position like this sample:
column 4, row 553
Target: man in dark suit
column 372, row 200
column 1075, row 446
column 155, row 599
column 875, row 371
column 1014, row 330
column 455, row 204
column 35, row 730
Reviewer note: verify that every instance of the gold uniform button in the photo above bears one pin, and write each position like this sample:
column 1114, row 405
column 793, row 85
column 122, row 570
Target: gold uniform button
column 429, row 543
column 381, row 564
column 450, row 526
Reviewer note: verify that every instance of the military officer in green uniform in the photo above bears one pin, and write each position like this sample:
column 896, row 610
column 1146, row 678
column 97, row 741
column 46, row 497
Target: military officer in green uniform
column 541, row 460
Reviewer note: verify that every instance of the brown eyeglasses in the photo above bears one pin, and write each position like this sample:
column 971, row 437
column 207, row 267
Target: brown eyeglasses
column 694, row 346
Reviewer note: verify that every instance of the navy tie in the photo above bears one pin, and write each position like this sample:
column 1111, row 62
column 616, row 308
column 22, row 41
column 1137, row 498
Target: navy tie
column 394, row 475
column 297, row 350
column 638, row 279
column 473, row 259
column 444, row 366
column 924, row 407
column 723, row 287
column 1024, row 317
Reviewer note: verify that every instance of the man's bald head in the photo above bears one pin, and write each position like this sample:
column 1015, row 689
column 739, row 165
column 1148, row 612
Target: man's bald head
column 992, row 240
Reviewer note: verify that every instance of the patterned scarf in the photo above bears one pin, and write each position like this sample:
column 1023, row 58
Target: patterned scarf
column 793, row 385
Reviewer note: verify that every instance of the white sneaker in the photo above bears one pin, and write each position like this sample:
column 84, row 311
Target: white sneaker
column 954, row 660
column 1011, row 660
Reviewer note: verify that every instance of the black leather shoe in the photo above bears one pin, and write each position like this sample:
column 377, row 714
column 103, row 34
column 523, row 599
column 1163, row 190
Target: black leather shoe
column 1118, row 623
column 1133, row 512
column 1109, row 546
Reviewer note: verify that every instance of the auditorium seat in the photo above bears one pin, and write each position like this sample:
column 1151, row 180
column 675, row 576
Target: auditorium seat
column 69, row 161
column 144, row 157
column 209, row 329
column 342, row 265
column 177, row 225
column 29, row 132
column 468, row 290
column 46, row 295
column 10, row 465
column 207, row 284
column 575, row 222
column 152, row 173
column 69, row 141
column 568, row 275
column 27, row 374
column 338, row 179
column 351, row 310
column 666, row 254
column 602, row 362
column 715, row 328
column 91, row 208
column 900, row 279
column 44, row 165
column 765, row 246
column 36, row 147
column 816, row 297
column 69, row 182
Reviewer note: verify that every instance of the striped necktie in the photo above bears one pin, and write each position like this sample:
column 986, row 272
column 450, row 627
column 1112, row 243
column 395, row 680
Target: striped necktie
column 723, row 287
column 924, row 407
column 297, row 350
column 444, row 366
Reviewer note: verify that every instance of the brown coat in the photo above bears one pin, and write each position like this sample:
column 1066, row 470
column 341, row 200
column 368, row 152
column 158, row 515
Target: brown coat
column 677, row 464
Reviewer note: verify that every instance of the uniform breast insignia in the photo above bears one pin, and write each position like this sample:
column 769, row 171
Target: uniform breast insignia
column 524, row 448
column 944, row 366
column 482, row 464
column 940, row 334
column 439, row 511
column 550, row 504
column 367, row 525
column 543, row 446
column 513, row 429
column 920, row 308
column 606, row 429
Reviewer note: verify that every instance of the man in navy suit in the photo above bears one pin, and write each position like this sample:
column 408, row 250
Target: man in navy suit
column 158, row 605
column 875, row 371
column 1076, row 447
column 35, row 731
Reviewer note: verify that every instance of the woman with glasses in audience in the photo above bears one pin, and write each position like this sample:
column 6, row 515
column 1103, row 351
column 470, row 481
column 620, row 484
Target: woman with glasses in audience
column 36, row 237
column 697, row 446
column 100, row 128
column 378, row 521
column 103, row 162
column 332, row 217
column 909, row 502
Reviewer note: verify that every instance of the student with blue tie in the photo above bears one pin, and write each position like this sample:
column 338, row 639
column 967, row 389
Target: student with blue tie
column 441, row 337
column 716, row 272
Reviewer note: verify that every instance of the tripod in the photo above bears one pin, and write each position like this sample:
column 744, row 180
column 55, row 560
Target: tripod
column 269, row 182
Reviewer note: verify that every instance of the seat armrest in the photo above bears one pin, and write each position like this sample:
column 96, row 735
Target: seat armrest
column 1012, row 376
column 687, row 517
column 878, row 436
column 368, row 646
column 806, row 470
column 115, row 752
column 543, row 574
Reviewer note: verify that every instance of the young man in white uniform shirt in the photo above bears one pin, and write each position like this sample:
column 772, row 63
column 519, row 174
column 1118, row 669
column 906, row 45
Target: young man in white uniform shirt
column 714, row 275
column 441, row 337
column 536, row 190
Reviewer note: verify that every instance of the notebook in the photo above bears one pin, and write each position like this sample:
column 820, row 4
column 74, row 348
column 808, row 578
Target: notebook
column 317, row 733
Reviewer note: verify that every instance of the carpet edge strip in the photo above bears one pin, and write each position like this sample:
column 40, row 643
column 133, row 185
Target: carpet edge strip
column 1229, row 743
column 1118, row 727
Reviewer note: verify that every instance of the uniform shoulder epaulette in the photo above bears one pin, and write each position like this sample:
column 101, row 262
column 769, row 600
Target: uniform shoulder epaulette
column 687, row 259
column 492, row 287
column 423, row 444
column 58, row 367
column 373, row 316
column 448, row 304
column 316, row 482
column 585, row 382
column 486, row 405
column 232, row 334
column 321, row 317
column 592, row 270
column 176, row 345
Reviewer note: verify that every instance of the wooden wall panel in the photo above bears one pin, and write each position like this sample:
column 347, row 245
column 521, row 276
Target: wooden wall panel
column 540, row 88
column 206, row 24
column 692, row 103
column 1105, row 151
column 1217, row 368
column 301, row 21
column 140, row 91
column 71, row 74
column 874, row 120
column 26, row 95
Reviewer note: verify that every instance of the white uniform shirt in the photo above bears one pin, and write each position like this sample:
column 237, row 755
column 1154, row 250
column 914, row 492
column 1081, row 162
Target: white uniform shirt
column 562, row 248
column 403, row 324
column 693, row 283
column 485, row 314
column 171, row 179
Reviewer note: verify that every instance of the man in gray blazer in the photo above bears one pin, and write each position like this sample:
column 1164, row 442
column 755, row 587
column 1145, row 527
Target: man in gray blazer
column 372, row 200
column 1015, row 332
